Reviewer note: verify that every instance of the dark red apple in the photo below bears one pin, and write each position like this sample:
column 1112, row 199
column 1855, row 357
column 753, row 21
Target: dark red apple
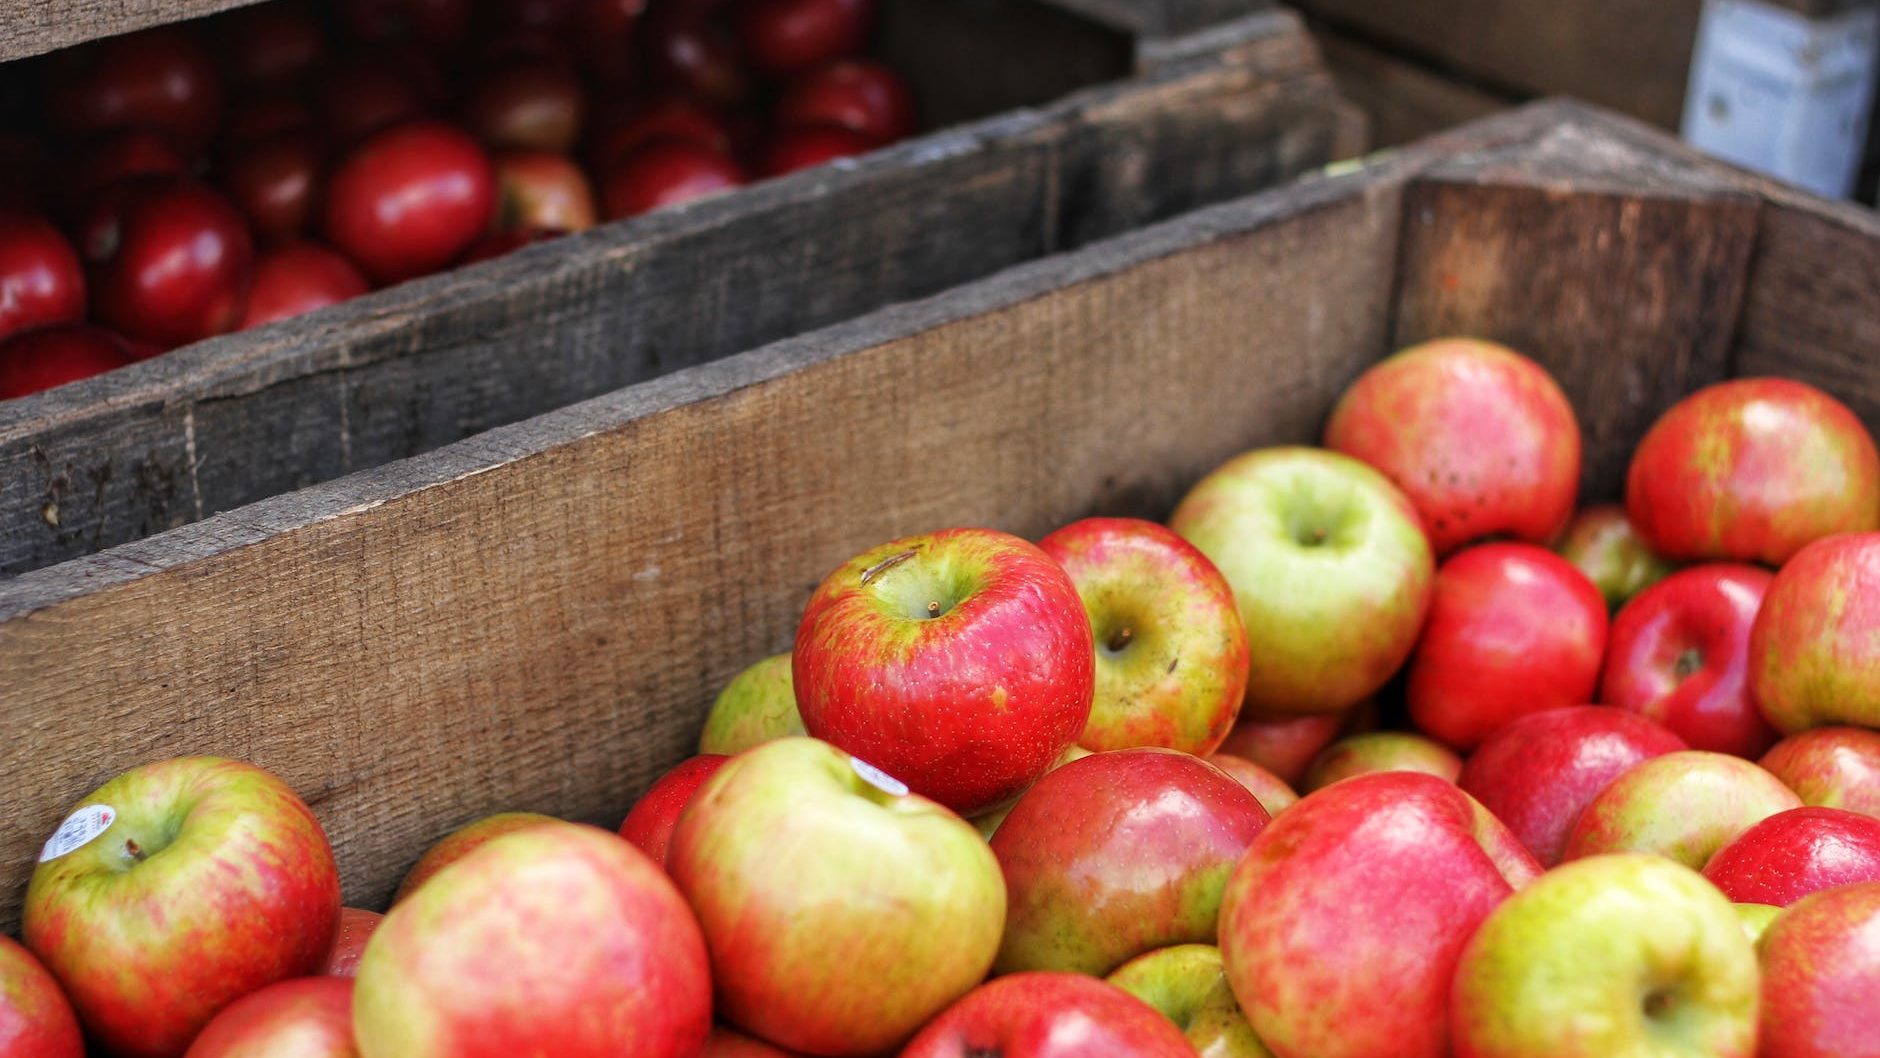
column 808, row 146
column 649, row 824
column 786, row 37
column 159, row 78
column 171, row 261
column 1049, row 1015
column 260, row 116
column 276, row 182
column 271, row 45
column 1795, row 853
column 606, row 32
column 410, row 200
column 1284, row 745
column 860, row 94
column 666, row 173
column 123, row 154
column 433, row 22
column 661, row 118
column 45, row 357
column 41, row 279
column 694, row 55
column 367, row 95
column 527, row 105
column 298, row 278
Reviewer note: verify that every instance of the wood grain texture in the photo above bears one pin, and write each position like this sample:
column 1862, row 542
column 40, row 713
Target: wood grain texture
column 537, row 618
column 1620, row 270
column 227, row 422
column 1404, row 101
column 1164, row 17
column 34, row 27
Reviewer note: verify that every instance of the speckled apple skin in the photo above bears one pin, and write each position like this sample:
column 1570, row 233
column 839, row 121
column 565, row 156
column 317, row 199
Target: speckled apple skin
column 1815, row 649
column 1830, row 767
column 1796, row 853
column 1049, row 1015
column 1821, row 972
column 1683, row 806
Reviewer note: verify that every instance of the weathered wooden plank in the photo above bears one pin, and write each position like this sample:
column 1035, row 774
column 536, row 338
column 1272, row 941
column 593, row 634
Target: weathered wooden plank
column 1164, row 17
column 33, row 27
column 1403, row 100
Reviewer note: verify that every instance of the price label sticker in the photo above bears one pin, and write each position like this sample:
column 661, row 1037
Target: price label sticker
column 80, row 828
column 877, row 778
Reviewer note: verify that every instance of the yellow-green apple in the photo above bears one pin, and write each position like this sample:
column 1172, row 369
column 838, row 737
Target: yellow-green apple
column 1188, row 984
column 308, row 1017
column 1814, row 654
column 1617, row 955
column 1540, row 772
column 1513, row 629
column 1171, row 651
column 462, row 842
column 842, row 912
column 759, row 704
column 649, row 823
column 1049, row 1015
column 1820, row 974
column 1602, row 544
column 36, row 1021
column 1479, row 437
column 1329, row 567
column 1756, row 918
column 1269, row 789
column 1752, row 470
column 1285, row 745
column 1381, row 751
column 1679, row 653
column 1118, row 854
column 1794, row 853
column 557, row 939
column 730, row 1043
column 1683, row 806
column 987, row 823
column 1341, row 925
column 174, row 890
column 959, row 661
column 356, row 927
column 1830, row 767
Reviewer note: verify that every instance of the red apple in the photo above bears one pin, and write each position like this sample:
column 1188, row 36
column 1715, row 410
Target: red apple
column 1050, row 1015
column 462, row 842
column 1284, row 745
column 1118, row 854
column 271, row 45
column 666, row 173
column 1751, row 471
column 1479, row 437
column 297, row 278
column 45, row 357
column 1514, row 629
column 959, row 661
column 1343, row 923
column 263, row 116
column 41, row 280
column 660, row 118
column 758, row 705
column 1821, row 972
column 410, row 200
column 1794, row 853
column 1376, row 751
column 730, row 1043
column 1602, row 543
column 1831, row 767
column 174, row 890
column 860, row 94
column 306, row 1018
column 1683, row 806
column 366, row 95
column 650, row 822
column 542, row 191
column 1270, row 790
column 560, row 939
column 1815, row 651
column 276, row 182
column 1540, row 772
column 121, row 155
column 527, row 105
column 434, row 22
column 356, row 927
column 159, row 78
column 35, row 1019
column 607, row 32
column 693, row 55
column 1171, row 653
column 171, row 260
column 808, row 146
column 498, row 243
column 1679, row 653
column 785, row 37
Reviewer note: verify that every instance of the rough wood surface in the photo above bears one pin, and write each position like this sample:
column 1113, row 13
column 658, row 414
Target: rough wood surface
column 1403, row 100
column 536, row 618
column 33, row 27
column 1164, row 17
column 229, row 421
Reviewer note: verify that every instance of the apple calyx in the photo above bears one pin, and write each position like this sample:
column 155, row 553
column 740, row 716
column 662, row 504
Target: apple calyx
column 1118, row 640
column 1688, row 662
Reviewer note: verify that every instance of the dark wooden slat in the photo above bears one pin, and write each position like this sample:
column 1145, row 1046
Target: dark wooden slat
column 1403, row 100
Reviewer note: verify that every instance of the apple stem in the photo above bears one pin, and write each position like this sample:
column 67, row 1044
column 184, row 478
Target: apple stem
column 885, row 565
column 135, row 850
column 933, row 609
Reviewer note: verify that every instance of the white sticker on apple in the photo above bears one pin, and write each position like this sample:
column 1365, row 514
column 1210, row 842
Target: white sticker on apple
column 877, row 778
column 80, row 828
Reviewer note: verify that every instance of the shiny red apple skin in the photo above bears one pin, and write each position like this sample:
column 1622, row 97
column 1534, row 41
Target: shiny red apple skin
column 462, row 842
column 1117, row 854
column 542, row 191
column 1375, row 751
column 1795, row 853
column 123, row 154
column 807, row 146
column 45, row 357
column 666, row 173
column 958, row 661
column 356, row 926
column 1538, row 773
column 276, row 183
column 41, row 280
column 1821, row 972
column 527, row 105
column 1815, row 650
column 1479, row 437
column 271, row 45
column 1171, row 653
column 560, row 939
column 1284, row 745
column 1273, row 792
column 665, row 117
column 298, row 278
column 1830, row 767
column 1679, row 654
column 1602, row 543
column 1513, row 629
column 860, row 94
column 171, row 262
column 410, row 200
column 36, row 1021
column 159, row 78
column 310, row 1017
column 1342, row 925
column 650, row 822
column 1049, row 1015
column 211, row 881
column 786, row 37
column 1683, row 806
column 1752, row 470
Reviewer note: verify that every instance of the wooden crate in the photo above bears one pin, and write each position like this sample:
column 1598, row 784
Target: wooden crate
column 538, row 617
column 232, row 420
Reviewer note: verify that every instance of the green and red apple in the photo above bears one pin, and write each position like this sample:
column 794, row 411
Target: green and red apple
column 1683, row 806
column 1820, row 974
column 462, row 842
column 1049, row 1015
column 1375, row 751
column 308, row 1017
column 1815, row 650
column 1602, row 544
column 1269, row 789
column 758, row 705
column 1188, row 984
column 650, row 821
column 36, row 1021
column 1830, row 767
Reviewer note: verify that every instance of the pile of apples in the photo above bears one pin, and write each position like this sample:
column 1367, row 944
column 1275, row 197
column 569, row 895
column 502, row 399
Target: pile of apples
column 1313, row 770
column 189, row 180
